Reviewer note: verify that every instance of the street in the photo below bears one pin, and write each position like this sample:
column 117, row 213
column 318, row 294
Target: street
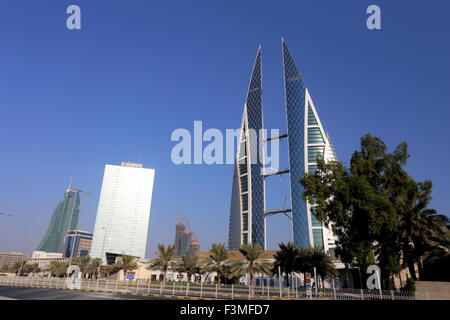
column 7, row 293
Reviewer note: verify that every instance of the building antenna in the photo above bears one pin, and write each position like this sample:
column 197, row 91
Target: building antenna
column 70, row 183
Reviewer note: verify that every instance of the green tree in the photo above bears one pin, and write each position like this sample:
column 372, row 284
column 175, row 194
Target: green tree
column 251, row 265
column 190, row 265
column 94, row 267
column 309, row 258
column 18, row 267
column 165, row 258
column 421, row 228
column 58, row 268
column 126, row 264
column 83, row 263
column 358, row 203
column 285, row 259
column 107, row 270
column 217, row 260
column 30, row 268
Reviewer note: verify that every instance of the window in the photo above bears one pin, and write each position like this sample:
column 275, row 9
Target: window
column 245, row 239
column 243, row 149
column 315, row 136
column 245, row 221
column 244, row 198
column 243, row 168
column 311, row 119
column 314, row 221
column 318, row 238
column 244, row 183
column 314, row 152
column 312, row 169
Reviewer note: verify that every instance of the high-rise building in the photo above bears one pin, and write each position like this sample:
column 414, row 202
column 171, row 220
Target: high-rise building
column 64, row 218
column 307, row 141
column 123, row 214
column 185, row 240
column 77, row 243
column 247, row 222
column 194, row 247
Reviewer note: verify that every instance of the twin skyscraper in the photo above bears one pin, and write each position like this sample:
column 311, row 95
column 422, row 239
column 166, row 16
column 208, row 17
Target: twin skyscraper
column 307, row 141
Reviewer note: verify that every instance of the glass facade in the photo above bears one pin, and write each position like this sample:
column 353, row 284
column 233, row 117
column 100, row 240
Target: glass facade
column 77, row 243
column 318, row 237
column 306, row 142
column 302, row 121
column 234, row 230
column 295, row 92
column 123, row 214
column 248, row 183
column 64, row 218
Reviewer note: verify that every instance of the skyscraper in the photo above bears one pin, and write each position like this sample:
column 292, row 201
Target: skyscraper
column 123, row 214
column 186, row 242
column 307, row 140
column 247, row 223
column 180, row 239
column 64, row 218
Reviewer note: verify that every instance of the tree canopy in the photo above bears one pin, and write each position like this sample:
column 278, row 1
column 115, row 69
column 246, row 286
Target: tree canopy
column 372, row 205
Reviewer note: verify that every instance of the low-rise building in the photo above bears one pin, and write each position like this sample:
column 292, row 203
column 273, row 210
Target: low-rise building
column 8, row 259
column 46, row 255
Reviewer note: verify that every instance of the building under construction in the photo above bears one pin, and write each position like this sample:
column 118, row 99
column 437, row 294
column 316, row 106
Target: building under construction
column 186, row 242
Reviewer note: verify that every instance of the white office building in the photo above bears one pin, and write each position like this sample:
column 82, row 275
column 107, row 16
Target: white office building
column 123, row 214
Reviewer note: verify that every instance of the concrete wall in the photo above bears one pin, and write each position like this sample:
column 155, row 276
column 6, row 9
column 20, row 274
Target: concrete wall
column 431, row 290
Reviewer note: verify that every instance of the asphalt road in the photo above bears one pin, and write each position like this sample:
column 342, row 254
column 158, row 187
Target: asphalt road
column 52, row 294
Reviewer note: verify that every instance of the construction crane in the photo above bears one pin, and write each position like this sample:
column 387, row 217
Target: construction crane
column 78, row 190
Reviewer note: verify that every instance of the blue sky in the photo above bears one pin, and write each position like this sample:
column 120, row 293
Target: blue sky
column 73, row 101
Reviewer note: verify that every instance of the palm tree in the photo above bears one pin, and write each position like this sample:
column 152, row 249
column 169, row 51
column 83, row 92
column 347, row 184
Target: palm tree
column 126, row 263
column 421, row 228
column 108, row 269
column 251, row 265
column 58, row 268
column 285, row 260
column 18, row 267
column 314, row 257
column 217, row 259
column 83, row 263
column 165, row 258
column 94, row 267
column 190, row 265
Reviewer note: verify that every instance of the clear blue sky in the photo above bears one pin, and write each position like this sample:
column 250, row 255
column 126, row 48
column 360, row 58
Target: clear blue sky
column 73, row 101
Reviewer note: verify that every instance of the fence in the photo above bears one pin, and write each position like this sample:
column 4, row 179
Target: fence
column 205, row 291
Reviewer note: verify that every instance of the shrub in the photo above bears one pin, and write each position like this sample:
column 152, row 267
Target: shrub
column 410, row 286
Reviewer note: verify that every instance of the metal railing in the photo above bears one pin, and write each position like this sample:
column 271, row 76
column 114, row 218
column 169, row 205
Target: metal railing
column 205, row 290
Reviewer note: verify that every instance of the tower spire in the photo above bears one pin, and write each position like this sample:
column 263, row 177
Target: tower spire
column 69, row 187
